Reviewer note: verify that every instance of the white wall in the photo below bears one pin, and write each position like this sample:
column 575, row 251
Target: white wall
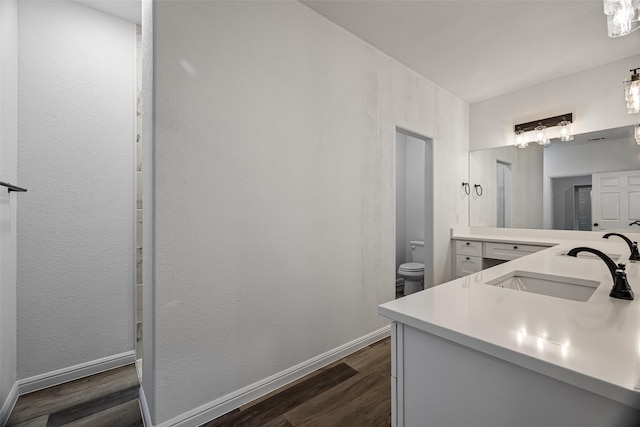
column 527, row 186
column 585, row 159
column 594, row 96
column 274, row 196
column 75, row 225
column 8, row 202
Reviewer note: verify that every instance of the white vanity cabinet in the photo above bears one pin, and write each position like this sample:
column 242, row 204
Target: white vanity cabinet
column 468, row 257
column 468, row 354
column 438, row 382
column 472, row 256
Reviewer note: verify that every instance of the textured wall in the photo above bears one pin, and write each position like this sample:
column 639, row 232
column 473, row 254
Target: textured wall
column 8, row 202
column 274, row 191
column 76, row 227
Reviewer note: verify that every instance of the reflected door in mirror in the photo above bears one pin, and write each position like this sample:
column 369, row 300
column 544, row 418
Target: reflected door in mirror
column 615, row 200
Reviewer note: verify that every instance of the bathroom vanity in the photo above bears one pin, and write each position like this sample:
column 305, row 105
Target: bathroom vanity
column 472, row 256
column 478, row 351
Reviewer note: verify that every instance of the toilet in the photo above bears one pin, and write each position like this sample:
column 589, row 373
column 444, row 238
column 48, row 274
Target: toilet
column 413, row 272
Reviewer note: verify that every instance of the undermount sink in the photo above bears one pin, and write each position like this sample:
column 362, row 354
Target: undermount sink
column 546, row 284
column 589, row 255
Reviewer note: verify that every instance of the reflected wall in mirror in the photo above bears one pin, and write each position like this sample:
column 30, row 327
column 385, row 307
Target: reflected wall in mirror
column 517, row 202
column 594, row 179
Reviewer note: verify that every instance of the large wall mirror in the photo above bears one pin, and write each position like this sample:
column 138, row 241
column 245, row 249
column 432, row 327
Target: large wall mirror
column 590, row 183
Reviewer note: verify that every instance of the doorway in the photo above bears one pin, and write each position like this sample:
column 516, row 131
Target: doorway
column 414, row 203
column 503, row 194
column 571, row 203
column 582, row 209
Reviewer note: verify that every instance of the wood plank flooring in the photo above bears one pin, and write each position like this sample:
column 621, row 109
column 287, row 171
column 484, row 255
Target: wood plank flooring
column 106, row 399
column 354, row 391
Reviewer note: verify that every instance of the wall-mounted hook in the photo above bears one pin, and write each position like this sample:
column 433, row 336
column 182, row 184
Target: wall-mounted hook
column 467, row 188
column 12, row 187
column 476, row 186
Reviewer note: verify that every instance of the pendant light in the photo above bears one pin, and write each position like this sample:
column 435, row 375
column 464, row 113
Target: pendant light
column 623, row 16
column 632, row 91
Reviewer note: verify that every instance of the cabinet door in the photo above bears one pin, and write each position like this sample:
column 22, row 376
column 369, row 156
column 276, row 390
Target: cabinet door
column 467, row 265
column 468, row 247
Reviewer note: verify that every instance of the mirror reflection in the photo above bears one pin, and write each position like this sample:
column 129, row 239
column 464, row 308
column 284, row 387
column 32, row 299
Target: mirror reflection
column 590, row 183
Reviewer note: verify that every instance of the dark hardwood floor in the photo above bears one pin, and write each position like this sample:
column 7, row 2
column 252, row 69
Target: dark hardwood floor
column 354, row 391
column 106, row 399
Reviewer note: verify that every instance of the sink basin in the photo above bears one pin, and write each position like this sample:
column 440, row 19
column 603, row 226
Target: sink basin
column 614, row 257
column 546, row 284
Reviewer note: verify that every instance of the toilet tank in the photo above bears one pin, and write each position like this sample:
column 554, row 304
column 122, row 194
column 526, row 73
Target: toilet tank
column 417, row 251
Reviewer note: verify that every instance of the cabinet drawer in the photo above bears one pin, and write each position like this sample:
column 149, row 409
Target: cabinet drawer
column 467, row 265
column 509, row 251
column 468, row 247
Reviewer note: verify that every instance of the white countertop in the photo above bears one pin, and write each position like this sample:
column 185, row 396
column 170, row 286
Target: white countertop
column 594, row 345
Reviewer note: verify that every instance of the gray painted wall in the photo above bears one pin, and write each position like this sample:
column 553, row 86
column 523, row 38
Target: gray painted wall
column 8, row 202
column 76, row 227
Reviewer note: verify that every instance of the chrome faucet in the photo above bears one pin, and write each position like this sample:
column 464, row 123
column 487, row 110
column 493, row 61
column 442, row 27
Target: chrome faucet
column 633, row 246
column 621, row 288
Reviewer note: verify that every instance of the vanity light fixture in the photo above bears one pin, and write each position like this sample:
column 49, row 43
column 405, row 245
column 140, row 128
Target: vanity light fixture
column 518, row 139
column 632, row 91
column 623, row 16
column 538, row 130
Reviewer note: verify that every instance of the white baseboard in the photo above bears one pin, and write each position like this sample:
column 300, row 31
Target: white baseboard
column 221, row 406
column 144, row 409
column 38, row 382
column 8, row 404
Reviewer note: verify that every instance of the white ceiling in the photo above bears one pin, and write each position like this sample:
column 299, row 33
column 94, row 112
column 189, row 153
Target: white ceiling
column 479, row 49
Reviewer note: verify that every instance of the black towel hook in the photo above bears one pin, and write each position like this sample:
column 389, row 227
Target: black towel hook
column 467, row 188
column 476, row 186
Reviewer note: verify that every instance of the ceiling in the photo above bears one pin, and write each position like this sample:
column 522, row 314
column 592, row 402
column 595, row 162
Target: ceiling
column 479, row 49
column 475, row 49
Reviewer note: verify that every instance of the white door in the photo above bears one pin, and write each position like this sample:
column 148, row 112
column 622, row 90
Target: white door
column 616, row 200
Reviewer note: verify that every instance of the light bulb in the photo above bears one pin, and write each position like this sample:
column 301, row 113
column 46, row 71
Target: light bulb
column 518, row 139
column 540, row 135
column 565, row 130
